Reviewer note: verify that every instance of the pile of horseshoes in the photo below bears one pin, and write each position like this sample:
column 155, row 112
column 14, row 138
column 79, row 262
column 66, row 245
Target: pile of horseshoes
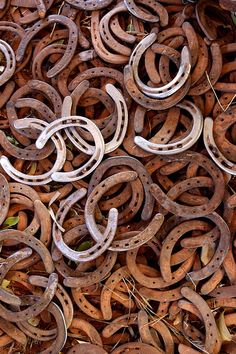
column 117, row 176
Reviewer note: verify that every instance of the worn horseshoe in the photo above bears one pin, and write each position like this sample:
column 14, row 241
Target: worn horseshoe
column 37, row 179
column 51, row 131
column 89, row 5
column 93, row 199
column 71, row 47
column 181, row 144
column 213, row 151
column 36, row 308
column 168, row 89
column 212, row 338
column 9, row 55
column 156, row 7
column 135, row 165
column 151, row 103
column 196, row 211
column 121, row 126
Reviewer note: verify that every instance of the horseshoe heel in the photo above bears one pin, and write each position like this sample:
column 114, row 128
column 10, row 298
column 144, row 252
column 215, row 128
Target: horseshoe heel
column 179, row 145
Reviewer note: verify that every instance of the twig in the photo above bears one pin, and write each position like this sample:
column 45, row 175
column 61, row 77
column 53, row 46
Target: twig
column 216, row 96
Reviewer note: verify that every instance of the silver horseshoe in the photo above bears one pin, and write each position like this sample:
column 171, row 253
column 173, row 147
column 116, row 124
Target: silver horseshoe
column 179, row 145
column 174, row 85
column 45, row 177
column 213, row 151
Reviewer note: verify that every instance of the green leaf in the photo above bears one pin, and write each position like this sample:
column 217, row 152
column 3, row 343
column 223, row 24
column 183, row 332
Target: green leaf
column 69, row 145
column 11, row 221
column 233, row 15
column 84, row 246
column 61, row 41
column 12, row 140
column 5, row 284
column 130, row 28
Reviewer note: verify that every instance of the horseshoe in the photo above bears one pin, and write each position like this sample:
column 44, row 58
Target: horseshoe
column 5, row 266
column 138, row 238
column 37, row 333
column 12, row 331
column 41, row 87
column 214, row 73
column 156, row 282
column 209, row 28
column 89, row 329
column 30, row 153
column 35, row 309
column 9, row 55
column 61, row 295
column 212, row 339
column 71, row 47
column 138, row 168
column 94, row 277
column 4, row 198
column 135, row 348
column 89, row 5
column 86, row 348
column 32, row 242
column 98, row 45
column 41, row 56
column 121, row 127
column 66, row 122
column 97, row 73
column 85, row 305
column 180, row 145
column 169, row 242
column 37, row 179
column 151, row 103
column 162, row 14
column 196, row 211
column 213, row 151
column 93, row 199
column 168, row 89
column 107, row 290
column 81, row 256
column 119, row 32
column 104, row 29
column 60, row 340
